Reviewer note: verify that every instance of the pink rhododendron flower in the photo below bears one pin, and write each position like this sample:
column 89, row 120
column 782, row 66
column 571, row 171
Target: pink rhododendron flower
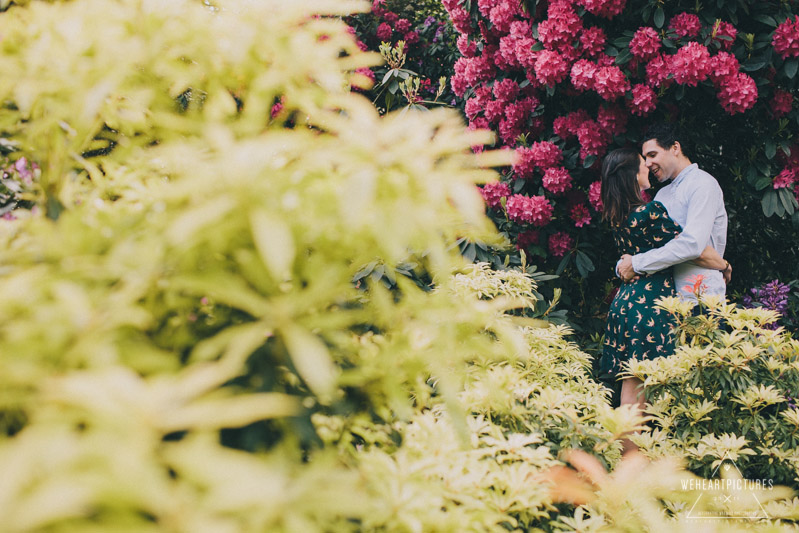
column 593, row 41
column 610, row 82
column 582, row 74
column 691, row 64
column 724, row 29
column 592, row 139
column 645, row 44
column 521, row 28
column 466, row 47
column 503, row 14
column 566, row 127
column 493, row 193
column 738, row 93
column 391, row 17
column 478, row 69
column 277, row 108
column 560, row 30
column 494, row 110
column 550, row 67
column 686, row 25
column 603, row 8
column 412, row 37
column 722, row 66
column 786, row 38
column 384, row 32
column 557, row 180
column 559, row 243
column 506, row 90
column 509, row 131
column 525, row 55
column 580, row 214
column 658, row 70
column 534, row 210
column 612, row 119
column 781, row 103
column 526, row 238
column 644, row 100
column 595, row 195
column 461, row 19
column 402, row 25
column 543, row 155
column 785, row 178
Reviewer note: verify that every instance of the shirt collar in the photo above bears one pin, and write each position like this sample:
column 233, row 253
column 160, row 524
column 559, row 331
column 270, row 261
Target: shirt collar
column 687, row 170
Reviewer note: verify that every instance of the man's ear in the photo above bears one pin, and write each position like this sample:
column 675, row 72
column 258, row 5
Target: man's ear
column 677, row 148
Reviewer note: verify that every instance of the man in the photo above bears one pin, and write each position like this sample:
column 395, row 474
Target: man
column 694, row 200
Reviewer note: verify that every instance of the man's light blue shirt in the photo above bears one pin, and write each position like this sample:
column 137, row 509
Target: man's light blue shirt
column 695, row 201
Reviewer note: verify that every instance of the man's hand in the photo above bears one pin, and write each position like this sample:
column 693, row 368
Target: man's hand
column 626, row 272
column 727, row 273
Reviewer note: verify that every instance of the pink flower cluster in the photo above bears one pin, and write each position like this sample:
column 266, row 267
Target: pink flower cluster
column 786, row 38
column 643, row 101
column 534, row 210
column 580, row 214
column 560, row 242
column 595, row 196
column 542, row 155
column 557, row 180
column 493, row 193
column 645, row 44
column 786, row 178
column 603, row 8
column 691, row 64
column 781, row 103
column 527, row 238
column 686, row 25
column 724, row 29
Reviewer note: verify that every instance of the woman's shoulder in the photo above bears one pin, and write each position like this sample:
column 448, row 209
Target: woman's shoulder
column 653, row 210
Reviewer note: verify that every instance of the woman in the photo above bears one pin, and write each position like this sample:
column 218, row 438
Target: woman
column 636, row 329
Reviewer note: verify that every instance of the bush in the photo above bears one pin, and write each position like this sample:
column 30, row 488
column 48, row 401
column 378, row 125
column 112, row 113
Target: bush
column 564, row 82
column 727, row 392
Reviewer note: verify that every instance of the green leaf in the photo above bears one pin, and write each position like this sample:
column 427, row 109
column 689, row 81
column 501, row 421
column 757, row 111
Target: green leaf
column 762, row 183
column 787, row 200
column 624, row 57
column 771, row 149
column 770, row 202
column 584, row 264
column 766, row 19
column 590, row 160
column 660, row 17
column 791, row 67
column 389, row 74
column 563, row 264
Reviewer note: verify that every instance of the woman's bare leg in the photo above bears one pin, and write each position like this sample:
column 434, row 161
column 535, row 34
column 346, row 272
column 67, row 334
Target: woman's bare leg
column 632, row 393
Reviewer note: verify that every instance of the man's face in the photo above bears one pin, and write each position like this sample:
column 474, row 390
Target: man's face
column 661, row 162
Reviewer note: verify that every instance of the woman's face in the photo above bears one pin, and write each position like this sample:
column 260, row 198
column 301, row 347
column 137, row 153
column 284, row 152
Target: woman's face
column 643, row 175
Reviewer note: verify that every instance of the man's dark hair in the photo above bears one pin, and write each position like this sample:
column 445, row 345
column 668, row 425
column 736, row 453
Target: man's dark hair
column 666, row 134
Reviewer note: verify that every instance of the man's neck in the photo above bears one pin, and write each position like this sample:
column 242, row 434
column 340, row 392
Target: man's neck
column 684, row 163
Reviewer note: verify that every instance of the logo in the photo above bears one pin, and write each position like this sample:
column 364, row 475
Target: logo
column 727, row 494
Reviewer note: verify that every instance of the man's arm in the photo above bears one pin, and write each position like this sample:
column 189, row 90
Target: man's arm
column 703, row 205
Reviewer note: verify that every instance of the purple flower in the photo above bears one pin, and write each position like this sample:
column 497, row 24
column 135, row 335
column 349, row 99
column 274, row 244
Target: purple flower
column 429, row 21
column 772, row 295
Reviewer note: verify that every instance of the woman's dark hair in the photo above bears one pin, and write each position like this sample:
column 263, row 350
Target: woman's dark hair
column 620, row 192
column 666, row 134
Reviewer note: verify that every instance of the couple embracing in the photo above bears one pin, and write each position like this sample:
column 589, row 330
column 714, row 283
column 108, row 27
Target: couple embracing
column 664, row 243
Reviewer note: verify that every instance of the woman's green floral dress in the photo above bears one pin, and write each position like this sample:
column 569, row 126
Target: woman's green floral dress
column 636, row 328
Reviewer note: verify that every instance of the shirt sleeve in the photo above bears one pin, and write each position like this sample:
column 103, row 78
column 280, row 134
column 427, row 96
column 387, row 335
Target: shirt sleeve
column 704, row 198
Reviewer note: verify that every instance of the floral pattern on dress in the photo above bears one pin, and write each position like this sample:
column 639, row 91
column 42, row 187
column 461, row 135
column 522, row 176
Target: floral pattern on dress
column 636, row 329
